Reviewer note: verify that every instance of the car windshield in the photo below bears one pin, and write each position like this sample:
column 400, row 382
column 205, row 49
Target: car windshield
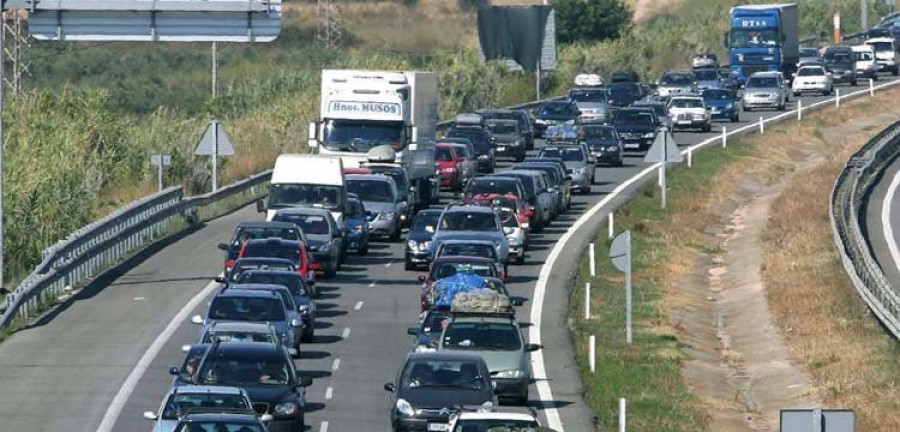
column 882, row 46
column 762, row 82
column 443, row 154
column 180, row 404
column 838, row 57
column 503, row 128
column 477, row 135
column 717, row 95
column 687, row 103
column 254, row 309
column 555, row 109
column 398, row 174
column 863, row 55
column 282, row 195
column 482, row 336
column 242, row 267
column 237, row 336
column 424, row 220
column 582, row 95
column 435, row 320
column 657, row 108
column 446, row 270
column 463, row 151
column 810, row 72
column 240, row 372
column 622, row 90
column 680, row 80
column 469, row 221
column 495, row 425
column 633, row 118
column 428, row 374
column 507, row 217
column 217, row 426
column 490, row 186
column 310, row 224
column 242, row 235
column 599, row 132
column 567, row 154
column 706, row 74
column 266, row 249
column 292, row 281
column 361, row 136
column 473, row 250
column 742, row 38
column 371, row 190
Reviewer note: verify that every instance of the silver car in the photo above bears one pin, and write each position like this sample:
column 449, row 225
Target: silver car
column 765, row 90
column 578, row 161
column 184, row 399
column 382, row 202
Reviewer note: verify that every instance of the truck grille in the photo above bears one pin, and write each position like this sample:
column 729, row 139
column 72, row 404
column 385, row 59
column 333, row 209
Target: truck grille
column 750, row 70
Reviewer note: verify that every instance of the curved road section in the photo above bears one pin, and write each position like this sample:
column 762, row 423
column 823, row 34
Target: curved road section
column 882, row 222
column 101, row 360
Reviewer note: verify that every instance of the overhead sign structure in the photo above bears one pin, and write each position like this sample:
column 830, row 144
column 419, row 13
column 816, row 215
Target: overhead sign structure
column 152, row 20
column 160, row 160
column 214, row 143
column 620, row 255
column 665, row 150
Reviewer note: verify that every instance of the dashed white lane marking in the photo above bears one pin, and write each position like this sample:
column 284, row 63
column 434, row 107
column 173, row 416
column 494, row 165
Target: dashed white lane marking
column 359, row 305
column 138, row 298
column 371, row 284
column 329, row 392
column 346, row 333
column 324, row 427
column 335, row 365
column 388, row 265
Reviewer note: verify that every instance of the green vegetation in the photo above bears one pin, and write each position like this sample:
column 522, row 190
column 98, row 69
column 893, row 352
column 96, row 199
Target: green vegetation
column 648, row 372
column 591, row 20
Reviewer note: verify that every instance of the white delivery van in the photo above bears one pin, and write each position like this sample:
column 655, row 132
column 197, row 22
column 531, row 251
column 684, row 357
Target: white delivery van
column 865, row 61
column 885, row 54
column 302, row 180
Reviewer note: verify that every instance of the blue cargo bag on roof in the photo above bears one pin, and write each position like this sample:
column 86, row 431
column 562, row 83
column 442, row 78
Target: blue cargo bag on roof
column 447, row 288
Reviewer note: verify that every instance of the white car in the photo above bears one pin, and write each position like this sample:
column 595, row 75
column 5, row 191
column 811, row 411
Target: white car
column 812, row 79
column 489, row 421
column 866, row 66
column 689, row 112
column 885, row 54
column 185, row 399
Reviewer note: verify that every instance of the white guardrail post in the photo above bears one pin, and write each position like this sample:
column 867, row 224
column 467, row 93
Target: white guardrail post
column 592, row 353
column 799, row 109
column 587, row 300
column 762, row 125
column 871, row 87
column 622, row 415
column 724, row 136
column 837, row 98
column 612, row 225
column 690, row 156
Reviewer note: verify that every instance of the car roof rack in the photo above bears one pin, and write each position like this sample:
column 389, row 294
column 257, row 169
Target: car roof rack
column 213, row 410
column 476, row 314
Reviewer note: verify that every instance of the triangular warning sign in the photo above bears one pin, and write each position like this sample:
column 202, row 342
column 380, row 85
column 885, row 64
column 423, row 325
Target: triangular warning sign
column 664, row 149
column 214, row 141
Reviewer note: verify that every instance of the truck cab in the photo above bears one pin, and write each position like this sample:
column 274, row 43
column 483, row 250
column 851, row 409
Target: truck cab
column 362, row 110
column 763, row 38
column 301, row 180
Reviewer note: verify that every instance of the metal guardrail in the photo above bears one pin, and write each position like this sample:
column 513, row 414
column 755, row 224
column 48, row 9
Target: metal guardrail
column 850, row 191
column 105, row 243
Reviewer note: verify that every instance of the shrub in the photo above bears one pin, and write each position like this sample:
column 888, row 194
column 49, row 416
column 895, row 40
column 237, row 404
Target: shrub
column 590, row 20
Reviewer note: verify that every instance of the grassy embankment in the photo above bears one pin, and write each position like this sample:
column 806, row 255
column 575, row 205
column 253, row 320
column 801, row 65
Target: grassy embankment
column 833, row 338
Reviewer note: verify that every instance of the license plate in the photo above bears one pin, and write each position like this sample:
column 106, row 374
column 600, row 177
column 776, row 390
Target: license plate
column 682, row 122
column 438, row 427
column 629, row 145
column 499, row 149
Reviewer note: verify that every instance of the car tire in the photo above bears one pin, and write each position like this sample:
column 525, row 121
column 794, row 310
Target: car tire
column 521, row 156
column 395, row 236
column 896, row 71
column 735, row 118
column 706, row 128
column 308, row 336
column 331, row 271
column 520, row 259
column 748, row 109
column 408, row 266
column 853, row 83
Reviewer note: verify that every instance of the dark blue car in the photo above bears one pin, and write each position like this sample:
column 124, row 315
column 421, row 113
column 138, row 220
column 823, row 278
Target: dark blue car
column 723, row 104
column 605, row 144
column 357, row 230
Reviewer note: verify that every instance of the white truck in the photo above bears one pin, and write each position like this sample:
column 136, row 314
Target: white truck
column 303, row 180
column 361, row 110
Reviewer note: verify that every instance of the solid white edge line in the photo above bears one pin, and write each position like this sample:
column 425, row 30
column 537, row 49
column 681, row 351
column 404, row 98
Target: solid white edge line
column 534, row 335
column 886, row 205
column 323, row 427
column 118, row 402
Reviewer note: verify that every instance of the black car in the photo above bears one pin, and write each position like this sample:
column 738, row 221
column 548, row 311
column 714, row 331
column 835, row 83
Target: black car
column 429, row 330
column 184, row 375
column 520, row 116
column 625, row 76
column 216, row 420
column 256, row 230
column 266, row 373
column 299, row 291
column 840, row 61
column 244, row 264
column 555, row 113
column 418, row 240
column 623, row 94
column 605, row 144
column 484, row 144
column 429, row 386
column 637, row 127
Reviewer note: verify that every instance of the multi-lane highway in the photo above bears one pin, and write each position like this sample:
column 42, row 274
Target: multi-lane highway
column 101, row 360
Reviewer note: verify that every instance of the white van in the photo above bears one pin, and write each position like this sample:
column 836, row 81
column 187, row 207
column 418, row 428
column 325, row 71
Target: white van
column 885, row 54
column 864, row 55
column 302, row 180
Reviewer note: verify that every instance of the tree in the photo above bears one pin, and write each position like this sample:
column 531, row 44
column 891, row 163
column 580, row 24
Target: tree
column 590, row 20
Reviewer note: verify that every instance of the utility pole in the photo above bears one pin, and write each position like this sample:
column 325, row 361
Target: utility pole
column 864, row 14
column 15, row 25
column 215, row 70
column 2, row 58
column 329, row 33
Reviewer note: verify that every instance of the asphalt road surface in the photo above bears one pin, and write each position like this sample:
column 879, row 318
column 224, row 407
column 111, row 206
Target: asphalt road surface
column 882, row 222
column 66, row 372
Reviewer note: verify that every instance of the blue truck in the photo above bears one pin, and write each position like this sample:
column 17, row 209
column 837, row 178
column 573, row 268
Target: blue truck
column 763, row 38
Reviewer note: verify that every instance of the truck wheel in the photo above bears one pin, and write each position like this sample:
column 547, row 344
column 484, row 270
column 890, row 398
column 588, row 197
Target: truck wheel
column 896, row 71
column 853, row 83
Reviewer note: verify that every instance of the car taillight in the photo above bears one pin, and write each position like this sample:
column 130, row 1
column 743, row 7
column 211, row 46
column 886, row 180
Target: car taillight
column 229, row 264
column 316, row 266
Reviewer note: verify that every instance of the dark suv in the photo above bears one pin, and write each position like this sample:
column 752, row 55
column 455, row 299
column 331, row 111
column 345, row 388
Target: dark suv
column 256, row 230
column 484, row 144
column 522, row 117
column 266, row 373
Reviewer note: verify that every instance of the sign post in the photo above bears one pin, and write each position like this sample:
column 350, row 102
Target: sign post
column 160, row 160
column 664, row 150
column 620, row 254
column 214, row 143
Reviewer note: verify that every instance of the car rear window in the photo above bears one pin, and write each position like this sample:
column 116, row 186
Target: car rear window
column 253, row 309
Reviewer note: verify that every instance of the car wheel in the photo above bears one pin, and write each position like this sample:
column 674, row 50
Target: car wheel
column 896, row 71
column 747, row 109
column 308, row 334
column 735, row 118
column 707, row 127
column 521, row 258
column 330, row 271
column 408, row 266
column 853, row 83
column 364, row 250
column 395, row 236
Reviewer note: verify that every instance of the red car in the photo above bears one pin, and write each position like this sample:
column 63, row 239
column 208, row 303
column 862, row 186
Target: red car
column 509, row 202
column 292, row 250
column 450, row 164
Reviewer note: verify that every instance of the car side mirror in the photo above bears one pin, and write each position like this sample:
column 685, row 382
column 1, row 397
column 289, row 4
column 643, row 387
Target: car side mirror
column 223, row 246
column 517, row 301
column 261, row 206
column 150, row 415
column 265, row 418
column 174, row 371
column 296, row 323
column 532, row 347
column 339, row 234
column 422, row 279
column 412, row 331
column 220, row 279
column 185, row 348
column 390, row 387
column 292, row 352
column 197, row 319
column 305, row 381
